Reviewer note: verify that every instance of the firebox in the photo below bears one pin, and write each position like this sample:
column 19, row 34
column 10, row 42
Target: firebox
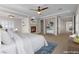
column 33, row 29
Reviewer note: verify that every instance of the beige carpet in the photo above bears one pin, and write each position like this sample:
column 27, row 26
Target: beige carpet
column 61, row 40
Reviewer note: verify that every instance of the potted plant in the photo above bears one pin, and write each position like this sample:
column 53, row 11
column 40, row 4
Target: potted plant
column 76, row 40
column 0, row 26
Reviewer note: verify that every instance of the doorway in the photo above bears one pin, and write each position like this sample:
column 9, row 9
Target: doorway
column 69, row 26
column 42, row 26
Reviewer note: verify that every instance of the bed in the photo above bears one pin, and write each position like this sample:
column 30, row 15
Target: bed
column 20, row 43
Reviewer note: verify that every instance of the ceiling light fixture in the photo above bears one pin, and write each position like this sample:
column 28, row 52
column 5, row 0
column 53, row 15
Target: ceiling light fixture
column 11, row 16
column 39, row 13
column 39, row 9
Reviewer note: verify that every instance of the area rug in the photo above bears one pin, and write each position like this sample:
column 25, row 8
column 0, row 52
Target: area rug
column 47, row 49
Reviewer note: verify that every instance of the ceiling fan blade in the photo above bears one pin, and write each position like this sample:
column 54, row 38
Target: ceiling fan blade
column 44, row 8
column 39, row 9
column 34, row 9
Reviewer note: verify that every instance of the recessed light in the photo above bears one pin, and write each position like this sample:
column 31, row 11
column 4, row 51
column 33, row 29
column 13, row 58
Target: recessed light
column 60, row 9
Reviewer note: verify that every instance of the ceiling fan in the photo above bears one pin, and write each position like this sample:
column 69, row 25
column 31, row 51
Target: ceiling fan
column 39, row 9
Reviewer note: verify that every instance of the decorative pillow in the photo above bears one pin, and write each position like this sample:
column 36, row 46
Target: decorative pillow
column 5, row 38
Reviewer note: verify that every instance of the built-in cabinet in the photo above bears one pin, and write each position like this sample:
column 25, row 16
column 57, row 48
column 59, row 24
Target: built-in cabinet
column 51, row 25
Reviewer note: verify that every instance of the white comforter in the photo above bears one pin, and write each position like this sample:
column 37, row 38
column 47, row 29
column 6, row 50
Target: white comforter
column 24, row 43
column 37, row 41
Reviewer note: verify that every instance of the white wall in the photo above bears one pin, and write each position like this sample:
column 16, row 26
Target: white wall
column 25, row 25
column 62, row 27
column 59, row 25
column 77, row 21
column 17, row 24
column 38, row 25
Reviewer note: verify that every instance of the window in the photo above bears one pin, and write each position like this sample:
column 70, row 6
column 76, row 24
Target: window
column 7, row 24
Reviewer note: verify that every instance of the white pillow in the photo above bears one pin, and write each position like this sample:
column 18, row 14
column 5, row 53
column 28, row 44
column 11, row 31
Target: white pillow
column 5, row 38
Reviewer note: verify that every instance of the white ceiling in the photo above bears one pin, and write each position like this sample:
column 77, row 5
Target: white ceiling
column 24, row 9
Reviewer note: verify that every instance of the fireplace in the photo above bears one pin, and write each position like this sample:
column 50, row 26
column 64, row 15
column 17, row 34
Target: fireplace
column 33, row 29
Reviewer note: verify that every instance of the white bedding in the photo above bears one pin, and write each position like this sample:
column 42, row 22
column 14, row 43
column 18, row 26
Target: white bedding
column 24, row 44
column 37, row 41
